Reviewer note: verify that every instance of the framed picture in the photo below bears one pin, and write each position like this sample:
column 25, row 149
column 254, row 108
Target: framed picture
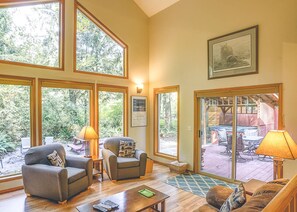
column 233, row 54
column 139, row 111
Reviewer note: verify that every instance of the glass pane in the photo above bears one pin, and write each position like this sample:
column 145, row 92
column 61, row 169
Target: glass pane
column 30, row 34
column 111, row 114
column 167, row 113
column 14, row 127
column 216, row 135
column 260, row 116
column 64, row 113
column 95, row 50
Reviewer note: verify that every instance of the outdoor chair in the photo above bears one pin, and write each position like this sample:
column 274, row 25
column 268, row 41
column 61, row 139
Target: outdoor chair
column 26, row 143
column 43, row 179
column 118, row 168
column 78, row 145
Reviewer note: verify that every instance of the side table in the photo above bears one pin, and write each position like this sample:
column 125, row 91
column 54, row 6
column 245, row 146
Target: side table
column 98, row 166
column 252, row 185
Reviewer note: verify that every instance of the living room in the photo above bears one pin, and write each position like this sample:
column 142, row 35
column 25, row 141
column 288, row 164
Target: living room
column 167, row 50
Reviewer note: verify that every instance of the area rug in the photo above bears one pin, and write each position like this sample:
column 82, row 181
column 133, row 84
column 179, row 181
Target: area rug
column 196, row 183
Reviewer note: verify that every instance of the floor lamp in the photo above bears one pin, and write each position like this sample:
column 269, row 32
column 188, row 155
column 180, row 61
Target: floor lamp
column 279, row 145
column 89, row 135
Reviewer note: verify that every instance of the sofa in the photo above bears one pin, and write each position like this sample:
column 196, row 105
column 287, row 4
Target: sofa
column 118, row 168
column 42, row 179
column 278, row 195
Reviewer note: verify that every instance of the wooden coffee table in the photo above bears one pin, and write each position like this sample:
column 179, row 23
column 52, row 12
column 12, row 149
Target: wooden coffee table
column 131, row 200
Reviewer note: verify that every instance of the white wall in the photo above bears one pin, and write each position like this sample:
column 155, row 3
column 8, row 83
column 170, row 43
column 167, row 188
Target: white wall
column 130, row 24
column 178, row 54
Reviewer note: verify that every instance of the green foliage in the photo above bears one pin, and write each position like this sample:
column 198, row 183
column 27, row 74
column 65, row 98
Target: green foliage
column 64, row 112
column 168, row 114
column 96, row 51
column 111, row 115
column 30, row 34
column 15, row 116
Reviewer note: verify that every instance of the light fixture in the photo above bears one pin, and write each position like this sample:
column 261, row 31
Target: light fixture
column 139, row 87
column 280, row 145
column 88, row 134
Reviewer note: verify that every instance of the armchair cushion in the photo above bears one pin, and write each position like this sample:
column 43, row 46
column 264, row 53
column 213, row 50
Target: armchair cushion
column 127, row 149
column 127, row 162
column 75, row 174
column 55, row 159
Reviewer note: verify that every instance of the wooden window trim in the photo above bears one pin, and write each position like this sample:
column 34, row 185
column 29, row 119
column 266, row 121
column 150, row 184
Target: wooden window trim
column 48, row 83
column 157, row 91
column 113, row 88
column 15, row 3
column 27, row 81
column 88, row 14
column 235, row 91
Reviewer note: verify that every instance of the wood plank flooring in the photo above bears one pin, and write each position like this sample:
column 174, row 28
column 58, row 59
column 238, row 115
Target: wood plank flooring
column 178, row 201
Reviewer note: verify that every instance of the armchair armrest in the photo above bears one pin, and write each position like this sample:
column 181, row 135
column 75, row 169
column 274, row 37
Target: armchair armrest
column 141, row 156
column 110, row 163
column 46, row 181
column 82, row 163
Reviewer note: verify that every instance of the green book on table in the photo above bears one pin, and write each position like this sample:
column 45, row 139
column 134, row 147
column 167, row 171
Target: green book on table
column 147, row 193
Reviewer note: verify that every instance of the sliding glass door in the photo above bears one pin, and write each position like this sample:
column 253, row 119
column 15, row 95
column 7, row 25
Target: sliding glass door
column 215, row 127
column 231, row 125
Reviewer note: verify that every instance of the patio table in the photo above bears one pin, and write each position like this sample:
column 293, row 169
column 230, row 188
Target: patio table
column 252, row 141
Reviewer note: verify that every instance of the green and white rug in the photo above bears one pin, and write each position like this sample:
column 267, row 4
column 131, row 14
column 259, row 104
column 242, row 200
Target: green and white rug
column 196, row 183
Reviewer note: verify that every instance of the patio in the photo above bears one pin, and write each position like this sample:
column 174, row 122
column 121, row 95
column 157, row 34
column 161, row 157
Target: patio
column 253, row 167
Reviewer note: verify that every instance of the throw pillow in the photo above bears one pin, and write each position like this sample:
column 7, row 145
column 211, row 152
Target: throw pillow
column 55, row 159
column 127, row 149
column 235, row 200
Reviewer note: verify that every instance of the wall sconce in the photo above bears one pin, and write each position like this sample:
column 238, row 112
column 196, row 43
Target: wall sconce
column 139, row 88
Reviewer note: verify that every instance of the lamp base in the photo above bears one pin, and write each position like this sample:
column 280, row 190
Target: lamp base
column 278, row 171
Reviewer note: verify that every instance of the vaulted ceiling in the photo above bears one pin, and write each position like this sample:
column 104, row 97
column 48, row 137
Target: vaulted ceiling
column 152, row 7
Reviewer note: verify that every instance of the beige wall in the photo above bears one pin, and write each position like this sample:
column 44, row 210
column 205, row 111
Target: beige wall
column 178, row 54
column 130, row 24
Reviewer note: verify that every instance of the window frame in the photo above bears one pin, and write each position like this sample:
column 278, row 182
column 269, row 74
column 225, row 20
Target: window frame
column 101, row 26
column 157, row 91
column 26, row 81
column 18, row 3
column 49, row 83
column 118, row 89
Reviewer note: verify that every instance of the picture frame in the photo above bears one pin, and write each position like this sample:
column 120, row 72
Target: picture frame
column 138, row 111
column 233, row 54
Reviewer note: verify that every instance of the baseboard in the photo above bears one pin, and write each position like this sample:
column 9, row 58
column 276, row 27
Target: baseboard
column 11, row 189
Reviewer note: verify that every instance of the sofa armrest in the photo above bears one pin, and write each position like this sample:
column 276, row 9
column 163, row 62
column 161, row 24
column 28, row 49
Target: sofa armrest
column 110, row 164
column 82, row 163
column 141, row 156
column 46, row 181
column 217, row 195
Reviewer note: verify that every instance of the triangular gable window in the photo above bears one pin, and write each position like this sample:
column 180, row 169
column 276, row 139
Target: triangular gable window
column 97, row 49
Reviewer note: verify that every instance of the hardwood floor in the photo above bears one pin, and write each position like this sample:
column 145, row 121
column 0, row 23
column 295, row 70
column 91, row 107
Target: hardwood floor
column 179, row 200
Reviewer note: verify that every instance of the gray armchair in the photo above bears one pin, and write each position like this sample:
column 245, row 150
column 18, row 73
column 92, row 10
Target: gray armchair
column 42, row 179
column 119, row 168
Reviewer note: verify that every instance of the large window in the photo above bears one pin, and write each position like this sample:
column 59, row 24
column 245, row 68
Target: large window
column 16, row 128
column 66, row 109
column 232, row 123
column 166, row 121
column 112, row 103
column 31, row 33
column 97, row 49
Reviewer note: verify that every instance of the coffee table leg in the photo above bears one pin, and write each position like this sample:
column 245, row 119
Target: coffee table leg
column 163, row 206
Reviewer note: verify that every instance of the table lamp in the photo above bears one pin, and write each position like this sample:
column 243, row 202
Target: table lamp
column 88, row 134
column 280, row 145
